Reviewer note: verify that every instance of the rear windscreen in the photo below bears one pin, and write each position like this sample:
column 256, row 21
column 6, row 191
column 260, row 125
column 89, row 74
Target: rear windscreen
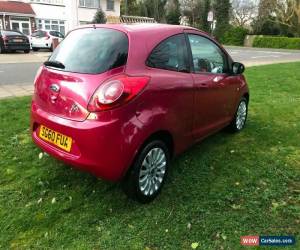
column 11, row 33
column 92, row 51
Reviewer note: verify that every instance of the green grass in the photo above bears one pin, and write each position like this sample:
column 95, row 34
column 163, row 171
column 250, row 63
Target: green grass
column 225, row 187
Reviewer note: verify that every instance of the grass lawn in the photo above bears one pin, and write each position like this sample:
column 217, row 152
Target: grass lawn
column 226, row 187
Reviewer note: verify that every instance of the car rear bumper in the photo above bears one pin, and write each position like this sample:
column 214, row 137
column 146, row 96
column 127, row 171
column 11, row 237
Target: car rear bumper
column 24, row 46
column 41, row 45
column 101, row 148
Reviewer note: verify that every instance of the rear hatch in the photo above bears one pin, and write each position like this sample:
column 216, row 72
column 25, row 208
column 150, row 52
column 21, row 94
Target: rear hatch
column 84, row 60
column 39, row 37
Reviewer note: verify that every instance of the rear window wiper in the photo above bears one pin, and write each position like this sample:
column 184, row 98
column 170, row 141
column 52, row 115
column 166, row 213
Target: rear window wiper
column 55, row 64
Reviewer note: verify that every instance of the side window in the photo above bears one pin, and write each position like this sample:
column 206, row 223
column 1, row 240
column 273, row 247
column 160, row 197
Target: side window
column 60, row 35
column 53, row 33
column 170, row 54
column 207, row 56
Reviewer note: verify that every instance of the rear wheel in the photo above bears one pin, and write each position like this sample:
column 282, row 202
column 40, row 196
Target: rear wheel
column 51, row 48
column 240, row 117
column 146, row 178
column 35, row 49
column 1, row 49
column 26, row 51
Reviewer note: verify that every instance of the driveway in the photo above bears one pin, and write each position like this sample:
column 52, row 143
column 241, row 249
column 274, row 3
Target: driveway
column 18, row 70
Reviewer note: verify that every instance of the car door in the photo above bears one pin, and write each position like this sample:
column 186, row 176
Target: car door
column 169, row 67
column 213, row 86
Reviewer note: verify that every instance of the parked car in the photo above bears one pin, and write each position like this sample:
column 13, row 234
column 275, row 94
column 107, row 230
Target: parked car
column 12, row 40
column 120, row 101
column 42, row 39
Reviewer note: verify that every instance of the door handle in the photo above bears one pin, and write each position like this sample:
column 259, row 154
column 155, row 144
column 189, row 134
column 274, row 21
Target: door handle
column 203, row 85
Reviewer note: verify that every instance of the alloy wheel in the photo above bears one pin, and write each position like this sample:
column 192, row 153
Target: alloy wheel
column 152, row 171
column 241, row 115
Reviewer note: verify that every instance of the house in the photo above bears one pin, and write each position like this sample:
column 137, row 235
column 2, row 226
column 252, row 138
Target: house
column 17, row 15
column 63, row 15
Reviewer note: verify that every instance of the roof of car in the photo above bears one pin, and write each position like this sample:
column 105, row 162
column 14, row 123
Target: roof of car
column 141, row 27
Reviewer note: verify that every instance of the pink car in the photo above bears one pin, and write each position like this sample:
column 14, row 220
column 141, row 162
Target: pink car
column 120, row 101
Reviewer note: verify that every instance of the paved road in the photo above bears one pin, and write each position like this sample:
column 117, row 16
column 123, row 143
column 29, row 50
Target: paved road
column 19, row 69
column 16, row 73
column 258, row 56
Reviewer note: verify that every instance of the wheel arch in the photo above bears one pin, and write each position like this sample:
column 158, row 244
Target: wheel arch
column 163, row 135
column 247, row 96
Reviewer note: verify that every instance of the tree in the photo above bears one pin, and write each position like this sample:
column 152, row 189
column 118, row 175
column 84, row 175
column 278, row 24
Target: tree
column 278, row 17
column 206, row 8
column 152, row 8
column 243, row 12
column 265, row 10
column 287, row 13
column 129, row 7
column 99, row 17
column 173, row 12
column 189, row 9
column 222, row 15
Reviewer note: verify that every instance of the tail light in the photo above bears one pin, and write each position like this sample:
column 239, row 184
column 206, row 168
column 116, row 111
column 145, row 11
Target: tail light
column 117, row 91
column 5, row 38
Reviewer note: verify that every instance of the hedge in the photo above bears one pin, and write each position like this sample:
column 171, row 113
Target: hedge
column 234, row 36
column 276, row 42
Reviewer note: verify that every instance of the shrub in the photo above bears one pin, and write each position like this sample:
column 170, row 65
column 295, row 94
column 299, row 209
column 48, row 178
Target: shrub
column 234, row 36
column 276, row 42
column 99, row 17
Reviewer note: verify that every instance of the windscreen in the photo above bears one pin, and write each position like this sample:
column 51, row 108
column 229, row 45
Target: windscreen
column 92, row 50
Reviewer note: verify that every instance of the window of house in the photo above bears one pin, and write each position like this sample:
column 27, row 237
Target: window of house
column 110, row 4
column 89, row 3
column 171, row 54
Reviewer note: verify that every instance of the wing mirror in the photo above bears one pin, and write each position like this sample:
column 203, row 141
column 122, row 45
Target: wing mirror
column 238, row 68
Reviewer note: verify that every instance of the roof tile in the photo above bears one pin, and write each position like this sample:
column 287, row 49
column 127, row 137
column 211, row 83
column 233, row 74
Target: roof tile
column 16, row 7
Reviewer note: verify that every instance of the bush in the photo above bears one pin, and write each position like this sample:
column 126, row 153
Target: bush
column 99, row 17
column 276, row 42
column 234, row 36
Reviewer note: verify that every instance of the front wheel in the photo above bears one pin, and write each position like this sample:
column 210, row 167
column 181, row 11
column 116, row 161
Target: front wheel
column 145, row 179
column 240, row 117
column 26, row 51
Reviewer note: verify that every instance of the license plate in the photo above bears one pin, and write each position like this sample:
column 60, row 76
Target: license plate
column 62, row 141
column 17, row 40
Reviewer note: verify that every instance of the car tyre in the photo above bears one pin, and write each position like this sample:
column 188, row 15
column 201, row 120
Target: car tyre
column 1, row 49
column 148, row 173
column 35, row 49
column 51, row 48
column 26, row 51
column 240, row 116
